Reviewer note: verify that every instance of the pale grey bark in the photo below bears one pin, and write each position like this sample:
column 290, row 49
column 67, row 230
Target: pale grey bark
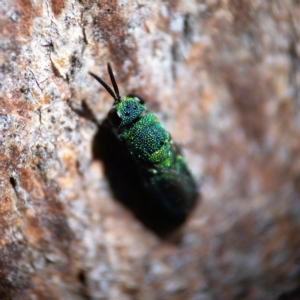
column 222, row 76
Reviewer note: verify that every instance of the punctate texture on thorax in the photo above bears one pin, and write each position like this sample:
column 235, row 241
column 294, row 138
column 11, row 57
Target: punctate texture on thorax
column 149, row 141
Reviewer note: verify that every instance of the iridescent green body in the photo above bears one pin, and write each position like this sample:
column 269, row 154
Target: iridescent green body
column 148, row 140
column 164, row 170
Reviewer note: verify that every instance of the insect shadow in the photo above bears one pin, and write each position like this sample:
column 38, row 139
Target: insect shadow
column 124, row 177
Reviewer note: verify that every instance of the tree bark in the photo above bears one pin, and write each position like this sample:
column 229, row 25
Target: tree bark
column 223, row 78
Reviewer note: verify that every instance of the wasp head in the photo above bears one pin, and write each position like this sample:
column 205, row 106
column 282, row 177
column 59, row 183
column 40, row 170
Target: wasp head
column 124, row 111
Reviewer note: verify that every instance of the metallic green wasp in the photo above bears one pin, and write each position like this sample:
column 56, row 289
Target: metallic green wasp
column 162, row 167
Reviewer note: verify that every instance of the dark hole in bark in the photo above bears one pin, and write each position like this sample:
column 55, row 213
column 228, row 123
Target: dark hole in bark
column 127, row 186
column 125, row 178
column 290, row 295
column 84, row 291
column 81, row 277
column 13, row 182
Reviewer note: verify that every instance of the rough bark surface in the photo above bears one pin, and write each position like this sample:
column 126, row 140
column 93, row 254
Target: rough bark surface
column 223, row 77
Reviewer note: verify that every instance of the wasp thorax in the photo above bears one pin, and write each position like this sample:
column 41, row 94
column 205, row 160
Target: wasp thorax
column 125, row 112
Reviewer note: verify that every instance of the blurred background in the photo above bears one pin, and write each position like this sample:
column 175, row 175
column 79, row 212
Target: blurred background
column 223, row 78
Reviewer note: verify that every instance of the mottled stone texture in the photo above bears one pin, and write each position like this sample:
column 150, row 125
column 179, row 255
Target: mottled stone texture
column 223, row 76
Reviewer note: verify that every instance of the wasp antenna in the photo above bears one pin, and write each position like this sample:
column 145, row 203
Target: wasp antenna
column 113, row 81
column 104, row 85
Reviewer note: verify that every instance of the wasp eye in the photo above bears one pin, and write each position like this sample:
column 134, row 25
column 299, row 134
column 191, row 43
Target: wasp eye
column 137, row 98
column 113, row 118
